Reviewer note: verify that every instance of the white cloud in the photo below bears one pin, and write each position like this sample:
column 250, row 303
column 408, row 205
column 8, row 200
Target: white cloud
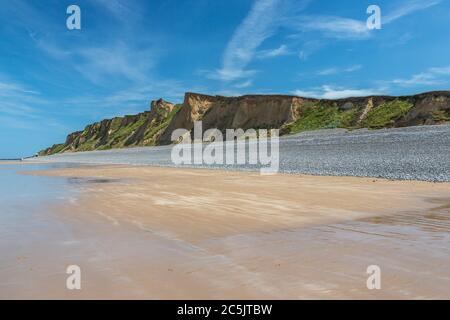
column 329, row 92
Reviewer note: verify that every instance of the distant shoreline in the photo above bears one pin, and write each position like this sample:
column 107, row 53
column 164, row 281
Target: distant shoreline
column 19, row 159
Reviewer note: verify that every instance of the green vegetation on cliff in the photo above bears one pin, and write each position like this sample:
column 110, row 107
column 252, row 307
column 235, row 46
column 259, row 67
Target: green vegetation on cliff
column 121, row 132
column 327, row 115
column 152, row 132
column 441, row 115
column 386, row 114
column 322, row 115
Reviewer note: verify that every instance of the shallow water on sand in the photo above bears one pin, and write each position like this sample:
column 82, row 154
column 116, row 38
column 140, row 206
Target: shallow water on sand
column 32, row 236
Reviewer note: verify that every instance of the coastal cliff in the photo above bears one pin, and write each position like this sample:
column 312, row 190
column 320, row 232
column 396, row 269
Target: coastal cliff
column 290, row 114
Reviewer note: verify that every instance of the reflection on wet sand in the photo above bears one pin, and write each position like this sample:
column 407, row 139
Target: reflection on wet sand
column 87, row 180
column 142, row 232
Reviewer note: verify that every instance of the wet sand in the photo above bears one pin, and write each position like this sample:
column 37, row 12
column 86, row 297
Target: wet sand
column 165, row 233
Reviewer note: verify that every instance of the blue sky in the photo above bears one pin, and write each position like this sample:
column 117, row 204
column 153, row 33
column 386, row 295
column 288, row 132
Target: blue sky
column 54, row 81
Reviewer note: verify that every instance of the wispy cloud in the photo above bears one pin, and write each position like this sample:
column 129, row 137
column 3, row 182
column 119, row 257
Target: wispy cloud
column 116, row 7
column 256, row 27
column 407, row 8
column 430, row 77
column 20, row 106
column 353, row 29
column 132, row 99
column 125, row 11
column 227, row 74
column 121, row 73
column 440, row 71
column 276, row 52
column 250, row 34
column 331, row 26
column 8, row 89
column 310, row 48
column 330, row 92
column 18, row 98
column 167, row 89
column 264, row 18
column 338, row 70
column 244, row 84
column 100, row 63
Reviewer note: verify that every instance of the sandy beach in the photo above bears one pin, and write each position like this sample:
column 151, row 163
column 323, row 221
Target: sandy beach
column 165, row 233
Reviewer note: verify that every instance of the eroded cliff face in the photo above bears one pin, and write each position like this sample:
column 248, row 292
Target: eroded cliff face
column 291, row 114
column 295, row 114
column 255, row 111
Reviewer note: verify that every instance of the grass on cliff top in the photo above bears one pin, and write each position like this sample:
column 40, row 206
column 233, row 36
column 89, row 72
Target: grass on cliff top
column 150, row 135
column 55, row 149
column 87, row 146
column 58, row 148
column 119, row 135
column 385, row 115
column 322, row 115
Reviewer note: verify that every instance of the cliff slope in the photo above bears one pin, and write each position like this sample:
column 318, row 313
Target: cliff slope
column 290, row 114
column 142, row 129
